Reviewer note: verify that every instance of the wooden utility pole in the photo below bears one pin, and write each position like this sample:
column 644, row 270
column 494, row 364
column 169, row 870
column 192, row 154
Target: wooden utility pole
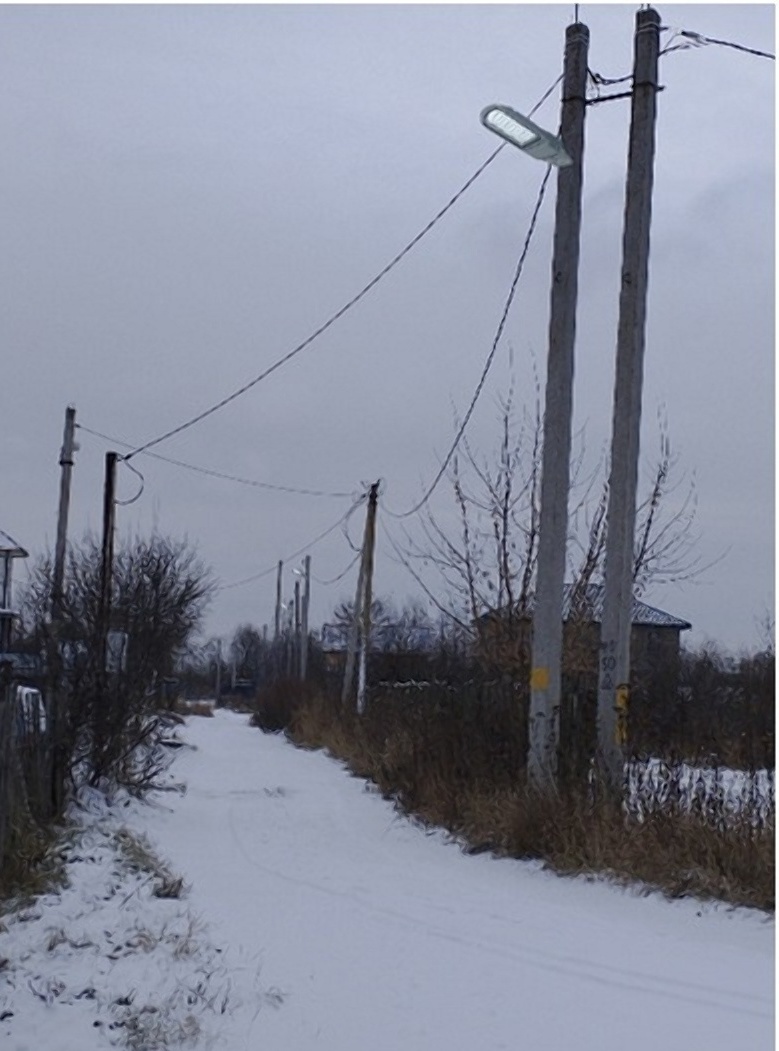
column 616, row 622
column 304, row 617
column 107, row 560
column 545, row 677
column 370, row 543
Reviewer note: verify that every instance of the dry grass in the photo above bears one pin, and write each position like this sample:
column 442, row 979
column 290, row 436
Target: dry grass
column 275, row 706
column 139, row 856
column 451, row 771
column 203, row 708
column 34, row 864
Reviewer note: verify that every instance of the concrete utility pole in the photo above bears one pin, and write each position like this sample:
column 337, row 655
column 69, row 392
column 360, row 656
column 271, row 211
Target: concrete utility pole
column 370, row 544
column 107, row 558
column 69, row 447
column 53, row 655
column 354, row 633
column 555, row 478
column 614, row 671
column 358, row 622
column 218, row 673
column 304, row 617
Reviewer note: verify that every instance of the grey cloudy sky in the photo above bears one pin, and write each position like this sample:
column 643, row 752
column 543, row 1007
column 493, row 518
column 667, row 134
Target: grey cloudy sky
column 188, row 191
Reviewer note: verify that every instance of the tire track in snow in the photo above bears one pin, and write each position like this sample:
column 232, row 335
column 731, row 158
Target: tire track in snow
column 592, row 971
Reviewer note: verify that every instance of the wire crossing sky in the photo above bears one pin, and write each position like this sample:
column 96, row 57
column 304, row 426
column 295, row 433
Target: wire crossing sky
column 186, row 185
column 345, row 308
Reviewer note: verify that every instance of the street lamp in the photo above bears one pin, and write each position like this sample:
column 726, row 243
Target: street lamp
column 547, row 643
column 521, row 132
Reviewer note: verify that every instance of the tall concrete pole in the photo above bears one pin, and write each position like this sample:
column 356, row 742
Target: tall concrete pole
column 354, row 633
column 614, row 671
column 358, row 625
column 53, row 655
column 218, row 673
column 370, row 544
column 555, row 479
column 66, row 469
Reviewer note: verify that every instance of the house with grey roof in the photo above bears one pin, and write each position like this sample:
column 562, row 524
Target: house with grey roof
column 504, row 639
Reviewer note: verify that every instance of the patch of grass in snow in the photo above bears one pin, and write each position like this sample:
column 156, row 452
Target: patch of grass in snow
column 139, row 855
column 35, row 864
column 450, row 770
column 146, row 968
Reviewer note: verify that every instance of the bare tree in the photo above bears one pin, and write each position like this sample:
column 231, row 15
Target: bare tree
column 248, row 651
column 160, row 593
column 487, row 561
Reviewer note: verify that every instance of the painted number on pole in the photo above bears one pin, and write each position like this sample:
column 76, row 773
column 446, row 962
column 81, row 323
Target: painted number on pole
column 622, row 705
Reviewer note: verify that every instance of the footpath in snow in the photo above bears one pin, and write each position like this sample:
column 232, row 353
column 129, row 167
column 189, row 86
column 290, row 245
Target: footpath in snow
column 327, row 921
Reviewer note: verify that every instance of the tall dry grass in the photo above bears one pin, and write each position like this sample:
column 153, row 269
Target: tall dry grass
column 455, row 761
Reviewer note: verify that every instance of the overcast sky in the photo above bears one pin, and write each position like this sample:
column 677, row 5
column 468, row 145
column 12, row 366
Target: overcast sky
column 187, row 192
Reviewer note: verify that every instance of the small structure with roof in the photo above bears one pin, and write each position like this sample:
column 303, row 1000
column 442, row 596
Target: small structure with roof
column 9, row 551
column 503, row 638
column 397, row 651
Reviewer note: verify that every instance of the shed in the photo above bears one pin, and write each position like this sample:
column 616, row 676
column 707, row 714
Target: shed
column 504, row 637
column 9, row 550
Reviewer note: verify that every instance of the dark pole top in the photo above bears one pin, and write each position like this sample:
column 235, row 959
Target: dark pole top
column 647, row 18
column 576, row 31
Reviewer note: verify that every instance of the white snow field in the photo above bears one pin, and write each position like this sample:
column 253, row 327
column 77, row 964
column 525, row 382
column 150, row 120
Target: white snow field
column 330, row 922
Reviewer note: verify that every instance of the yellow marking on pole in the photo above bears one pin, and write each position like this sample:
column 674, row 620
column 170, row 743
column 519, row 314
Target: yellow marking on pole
column 622, row 705
column 539, row 679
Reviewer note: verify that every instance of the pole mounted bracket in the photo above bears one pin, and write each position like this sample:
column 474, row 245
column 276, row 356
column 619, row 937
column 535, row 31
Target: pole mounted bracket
column 625, row 94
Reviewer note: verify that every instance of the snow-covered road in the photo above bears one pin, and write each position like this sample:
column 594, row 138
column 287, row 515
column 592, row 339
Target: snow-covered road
column 360, row 931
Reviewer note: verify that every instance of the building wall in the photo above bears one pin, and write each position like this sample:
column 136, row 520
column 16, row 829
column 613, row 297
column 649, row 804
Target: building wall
column 506, row 647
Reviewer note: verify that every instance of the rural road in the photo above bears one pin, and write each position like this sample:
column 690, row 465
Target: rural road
column 353, row 929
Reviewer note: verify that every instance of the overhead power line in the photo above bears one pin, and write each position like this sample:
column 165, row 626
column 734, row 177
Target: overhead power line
column 343, row 310
column 341, row 575
column 300, row 551
column 690, row 40
column 330, row 321
column 218, row 474
column 490, row 357
column 699, row 38
column 132, row 500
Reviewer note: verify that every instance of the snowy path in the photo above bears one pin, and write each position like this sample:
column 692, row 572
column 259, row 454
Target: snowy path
column 370, row 934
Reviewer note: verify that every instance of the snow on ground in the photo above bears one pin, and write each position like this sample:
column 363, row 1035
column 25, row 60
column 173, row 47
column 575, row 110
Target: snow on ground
column 109, row 959
column 654, row 783
column 343, row 926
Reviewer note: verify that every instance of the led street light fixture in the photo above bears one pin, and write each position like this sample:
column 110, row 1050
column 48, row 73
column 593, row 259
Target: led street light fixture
column 520, row 131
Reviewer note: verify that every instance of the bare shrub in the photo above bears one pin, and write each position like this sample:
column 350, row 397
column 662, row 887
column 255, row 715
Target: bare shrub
column 106, row 715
